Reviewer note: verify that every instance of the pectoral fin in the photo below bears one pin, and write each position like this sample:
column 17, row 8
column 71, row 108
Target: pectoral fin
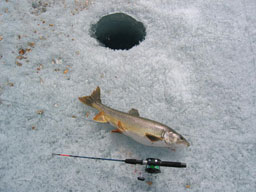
column 134, row 112
column 152, row 138
column 100, row 118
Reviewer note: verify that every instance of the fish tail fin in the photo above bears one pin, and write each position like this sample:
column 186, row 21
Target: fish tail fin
column 92, row 99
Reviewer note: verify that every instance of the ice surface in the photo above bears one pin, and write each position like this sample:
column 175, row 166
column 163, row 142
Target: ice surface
column 195, row 71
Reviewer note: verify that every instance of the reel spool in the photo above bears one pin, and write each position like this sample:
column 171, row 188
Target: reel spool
column 150, row 168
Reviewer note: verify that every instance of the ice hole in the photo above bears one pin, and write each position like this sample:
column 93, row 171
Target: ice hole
column 118, row 31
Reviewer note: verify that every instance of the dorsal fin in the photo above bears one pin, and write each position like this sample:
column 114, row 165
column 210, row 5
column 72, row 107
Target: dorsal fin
column 134, row 112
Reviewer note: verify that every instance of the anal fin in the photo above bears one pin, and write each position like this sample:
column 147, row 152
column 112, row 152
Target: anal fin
column 100, row 118
column 119, row 129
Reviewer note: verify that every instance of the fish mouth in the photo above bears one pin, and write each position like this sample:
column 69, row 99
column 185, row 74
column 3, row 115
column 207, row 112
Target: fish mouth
column 187, row 144
column 184, row 142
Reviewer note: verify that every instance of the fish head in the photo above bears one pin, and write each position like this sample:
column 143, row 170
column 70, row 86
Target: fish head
column 171, row 138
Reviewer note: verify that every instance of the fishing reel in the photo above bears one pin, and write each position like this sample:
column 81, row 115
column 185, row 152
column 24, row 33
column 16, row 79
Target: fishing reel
column 153, row 165
column 150, row 167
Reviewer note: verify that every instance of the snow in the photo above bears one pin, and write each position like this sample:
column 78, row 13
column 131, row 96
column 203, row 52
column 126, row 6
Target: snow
column 195, row 71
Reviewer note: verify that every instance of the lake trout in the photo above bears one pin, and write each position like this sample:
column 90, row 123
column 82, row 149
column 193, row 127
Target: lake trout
column 142, row 130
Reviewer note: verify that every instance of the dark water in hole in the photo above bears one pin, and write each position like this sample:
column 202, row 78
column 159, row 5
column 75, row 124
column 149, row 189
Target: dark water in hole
column 119, row 31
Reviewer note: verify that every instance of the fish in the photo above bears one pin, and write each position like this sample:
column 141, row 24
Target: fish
column 145, row 131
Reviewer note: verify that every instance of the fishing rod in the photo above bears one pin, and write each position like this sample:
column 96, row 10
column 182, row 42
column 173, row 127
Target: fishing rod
column 152, row 164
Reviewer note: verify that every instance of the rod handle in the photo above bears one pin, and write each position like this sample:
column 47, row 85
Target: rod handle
column 133, row 161
column 173, row 164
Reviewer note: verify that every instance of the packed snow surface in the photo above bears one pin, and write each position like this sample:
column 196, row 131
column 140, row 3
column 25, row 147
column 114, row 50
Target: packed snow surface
column 195, row 72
